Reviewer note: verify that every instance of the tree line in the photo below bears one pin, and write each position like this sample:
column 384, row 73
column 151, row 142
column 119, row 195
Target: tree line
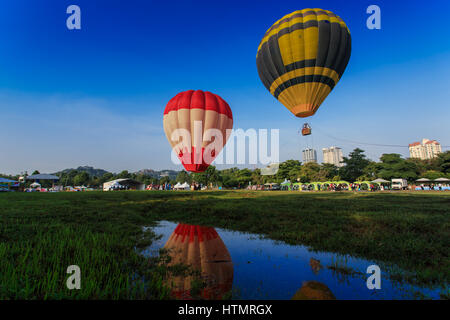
column 356, row 167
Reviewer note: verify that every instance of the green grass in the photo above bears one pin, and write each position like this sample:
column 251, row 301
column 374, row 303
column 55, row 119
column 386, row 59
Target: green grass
column 42, row 234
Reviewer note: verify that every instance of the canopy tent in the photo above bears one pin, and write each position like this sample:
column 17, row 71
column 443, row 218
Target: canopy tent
column 364, row 182
column 178, row 185
column 35, row 185
column 8, row 184
column 286, row 185
column 379, row 180
column 442, row 180
column 342, row 182
column 43, row 177
column 297, row 186
column 423, row 180
column 185, row 186
column 315, row 185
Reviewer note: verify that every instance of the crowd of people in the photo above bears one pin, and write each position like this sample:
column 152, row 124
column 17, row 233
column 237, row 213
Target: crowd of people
column 323, row 187
column 168, row 186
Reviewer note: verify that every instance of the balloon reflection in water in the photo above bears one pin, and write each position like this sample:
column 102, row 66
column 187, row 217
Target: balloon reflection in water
column 203, row 250
column 313, row 290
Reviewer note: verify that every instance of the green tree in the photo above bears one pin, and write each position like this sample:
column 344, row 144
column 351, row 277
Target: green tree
column 228, row 181
column 354, row 165
column 372, row 171
column 124, row 175
column 328, row 171
column 183, row 176
column 310, row 172
column 394, row 166
column 206, row 177
column 289, row 169
column 432, row 174
column 443, row 161
column 107, row 177
column 244, row 176
column 164, row 180
column 81, row 178
column 256, row 177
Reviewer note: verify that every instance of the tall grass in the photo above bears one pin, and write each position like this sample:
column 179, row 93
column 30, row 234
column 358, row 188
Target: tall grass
column 36, row 268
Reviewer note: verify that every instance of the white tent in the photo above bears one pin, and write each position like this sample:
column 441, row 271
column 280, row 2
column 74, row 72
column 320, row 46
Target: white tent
column 185, row 186
column 177, row 186
column 379, row 180
column 35, row 185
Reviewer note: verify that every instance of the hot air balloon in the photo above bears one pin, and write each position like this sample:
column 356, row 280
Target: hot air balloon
column 203, row 250
column 197, row 125
column 301, row 58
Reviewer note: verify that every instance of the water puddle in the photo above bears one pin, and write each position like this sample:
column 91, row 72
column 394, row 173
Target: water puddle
column 244, row 266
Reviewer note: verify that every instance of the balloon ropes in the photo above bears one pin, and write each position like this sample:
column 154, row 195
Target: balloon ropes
column 197, row 125
column 353, row 142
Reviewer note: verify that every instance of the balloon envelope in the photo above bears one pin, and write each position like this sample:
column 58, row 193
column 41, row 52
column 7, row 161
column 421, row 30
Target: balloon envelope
column 197, row 125
column 301, row 58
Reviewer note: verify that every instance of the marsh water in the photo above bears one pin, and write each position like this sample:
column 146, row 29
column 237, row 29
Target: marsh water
column 265, row 269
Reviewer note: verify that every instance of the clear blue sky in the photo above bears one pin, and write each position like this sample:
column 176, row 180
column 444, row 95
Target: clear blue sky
column 95, row 96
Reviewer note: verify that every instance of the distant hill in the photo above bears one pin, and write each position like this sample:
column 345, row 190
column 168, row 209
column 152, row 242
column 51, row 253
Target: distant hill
column 90, row 170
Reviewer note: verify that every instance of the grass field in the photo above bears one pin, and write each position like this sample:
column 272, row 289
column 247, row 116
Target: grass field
column 41, row 234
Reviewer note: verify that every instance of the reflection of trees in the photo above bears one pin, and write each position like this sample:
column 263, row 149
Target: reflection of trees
column 340, row 269
column 204, row 252
column 315, row 265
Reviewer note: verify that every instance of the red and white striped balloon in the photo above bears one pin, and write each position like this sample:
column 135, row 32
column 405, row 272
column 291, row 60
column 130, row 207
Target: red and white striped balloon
column 197, row 125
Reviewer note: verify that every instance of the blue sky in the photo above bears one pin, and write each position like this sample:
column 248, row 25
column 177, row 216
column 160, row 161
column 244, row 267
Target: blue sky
column 95, row 96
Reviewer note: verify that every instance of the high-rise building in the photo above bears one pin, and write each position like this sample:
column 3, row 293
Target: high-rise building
column 428, row 149
column 333, row 155
column 309, row 155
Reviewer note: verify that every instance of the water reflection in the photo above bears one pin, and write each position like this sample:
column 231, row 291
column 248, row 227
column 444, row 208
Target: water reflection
column 261, row 268
column 314, row 290
column 315, row 265
column 202, row 249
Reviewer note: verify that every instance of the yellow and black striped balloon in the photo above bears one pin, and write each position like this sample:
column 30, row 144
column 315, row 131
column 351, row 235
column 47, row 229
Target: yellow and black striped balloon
column 301, row 58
